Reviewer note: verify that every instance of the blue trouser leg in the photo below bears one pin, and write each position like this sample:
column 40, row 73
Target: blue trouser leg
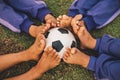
column 107, row 64
column 97, row 13
column 108, row 45
column 102, row 13
column 13, row 20
column 36, row 8
column 105, row 67
column 81, row 7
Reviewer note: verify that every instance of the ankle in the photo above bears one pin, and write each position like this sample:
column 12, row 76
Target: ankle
column 31, row 55
column 34, row 76
column 93, row 44
column 25, row 55
column 38, row 71
column 40, row 68
column 85, row 61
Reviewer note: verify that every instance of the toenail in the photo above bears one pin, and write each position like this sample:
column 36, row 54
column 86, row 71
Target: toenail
column 77, row 22
column 77, row 27
column 58, row 22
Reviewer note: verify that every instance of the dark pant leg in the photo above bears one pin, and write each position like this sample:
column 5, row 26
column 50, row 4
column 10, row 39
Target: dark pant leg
column 13, row 20
column 36, row 8
column 105, row 67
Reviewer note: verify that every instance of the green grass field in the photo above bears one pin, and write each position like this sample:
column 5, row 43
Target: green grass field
column 14, row 42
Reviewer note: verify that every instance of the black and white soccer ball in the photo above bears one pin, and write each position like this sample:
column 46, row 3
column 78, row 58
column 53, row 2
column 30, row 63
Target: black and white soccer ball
column 59, row 39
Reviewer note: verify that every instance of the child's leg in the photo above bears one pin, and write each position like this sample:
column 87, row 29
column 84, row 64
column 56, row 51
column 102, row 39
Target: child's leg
column 36, row 8
column 32, row 53
column 86, row 40
column 81, row 7
column 77, row 7
column 102, row 13
column 13, row 20
column 49, row 60
column 97, row 13
column 17, row 21
column 108, row 45
column 105, row 67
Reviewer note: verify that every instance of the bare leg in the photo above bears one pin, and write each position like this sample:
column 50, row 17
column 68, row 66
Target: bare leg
column 32, row 53
column 74, row 56
column 64, row 21
column 49, row 60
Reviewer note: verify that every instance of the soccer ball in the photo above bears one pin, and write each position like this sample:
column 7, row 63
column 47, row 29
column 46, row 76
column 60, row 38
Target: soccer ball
column 59, row 39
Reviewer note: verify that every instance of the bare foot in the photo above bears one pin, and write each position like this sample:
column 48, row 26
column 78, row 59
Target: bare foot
column 74, row 56
column 34, row 30
column 49, row 60
column 50, row 20
column 75, row 21
column 87, row 41
column 36, row 49
column 64, row 21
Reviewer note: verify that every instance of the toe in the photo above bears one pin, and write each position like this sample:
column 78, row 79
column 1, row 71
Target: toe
column 81, row 23
column 51, row 52
column 66, row 54
column 58, row 23
column 65, row 17
column 40, row 39
column 54, row 24
column 55, row 55
column 60, row 17
column 47, row 51
column 73, row 51
column 65, row 59
column 78, row 17
column 57, row 58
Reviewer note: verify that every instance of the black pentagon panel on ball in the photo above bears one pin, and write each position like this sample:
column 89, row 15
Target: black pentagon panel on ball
column 73, row 44
column 57, row 45
column 63, row 31
column 46, row 34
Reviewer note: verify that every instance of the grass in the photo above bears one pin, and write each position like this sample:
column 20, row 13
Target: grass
column 14, row 42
